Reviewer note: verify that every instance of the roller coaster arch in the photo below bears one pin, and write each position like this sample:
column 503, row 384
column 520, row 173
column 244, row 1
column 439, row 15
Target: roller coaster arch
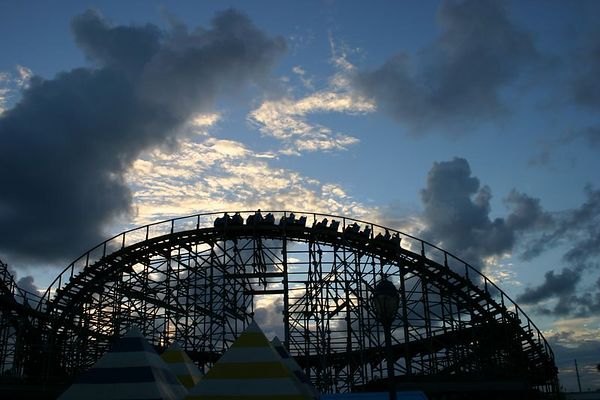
column 197, row 280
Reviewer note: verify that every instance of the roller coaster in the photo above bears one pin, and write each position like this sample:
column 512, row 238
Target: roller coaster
column 198, row 279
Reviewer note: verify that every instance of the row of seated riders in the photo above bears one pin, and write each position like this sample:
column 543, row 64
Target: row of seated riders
column 290, row 220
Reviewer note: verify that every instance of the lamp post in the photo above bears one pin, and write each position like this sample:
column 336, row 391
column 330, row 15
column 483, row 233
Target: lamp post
column 385, row 301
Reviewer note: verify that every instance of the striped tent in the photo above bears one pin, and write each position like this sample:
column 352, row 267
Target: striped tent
column 251, row 369
column 182, row 366
column 131, row 370
column 293, row 366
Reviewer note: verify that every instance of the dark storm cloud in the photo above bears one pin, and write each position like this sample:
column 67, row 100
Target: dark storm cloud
column 579, row 305
column 553, row 285
column 586, row 88
column 589, row 136
column 457, row 212
column 526, row 213
column 123, row 47
column 582, row 91
column 586, row 84
column 68, row 142
column 27, row 283
column 579, row 230
column 456, row 81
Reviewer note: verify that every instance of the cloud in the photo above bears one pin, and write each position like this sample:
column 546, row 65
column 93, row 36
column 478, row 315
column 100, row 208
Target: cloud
column 268, row 314
column 307, row 82
column 585, row 84
column 287, row 118
column 589, row 135
column 569, row 299
column 205, row 120
column 579, row 88
column 456, row 214
column 211, row 174
column 526, row 213
column 457, row 81
column 575, row 339
column 585, row 88
column 25, row 75
column 11, row 82
column 502, row 274
column 4, row 92
column 577, row 230
column 553, row 285
column 26, row 288
column 583, row 91
column 27, row 283
column 67, row 144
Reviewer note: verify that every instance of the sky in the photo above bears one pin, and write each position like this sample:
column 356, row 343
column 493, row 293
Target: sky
column 472, row 124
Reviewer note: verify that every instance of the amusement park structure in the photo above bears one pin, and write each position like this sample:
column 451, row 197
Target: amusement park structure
column 196, row 280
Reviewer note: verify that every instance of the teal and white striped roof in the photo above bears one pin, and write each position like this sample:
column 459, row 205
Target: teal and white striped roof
column 182, row 366
column 293, row 366
column 251, row 369
column 131, row 370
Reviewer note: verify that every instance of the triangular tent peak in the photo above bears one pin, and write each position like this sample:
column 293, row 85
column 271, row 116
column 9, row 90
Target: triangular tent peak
column 252, row 337
column 175, row 346
column 133, row 331
column 182, row 365
column 131, row 369
column 253, row 328
column 250, row 369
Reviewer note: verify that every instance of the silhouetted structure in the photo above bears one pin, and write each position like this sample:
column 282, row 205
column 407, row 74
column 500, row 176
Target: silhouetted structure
column 194, row 280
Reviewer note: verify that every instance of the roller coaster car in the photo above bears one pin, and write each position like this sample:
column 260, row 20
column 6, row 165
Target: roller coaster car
column 291, row 221
column 236, row 220
column 354, row 234
column 322, row 226
column 386, row 243
column 222, row 222
column 334, row 226
column 269, row 219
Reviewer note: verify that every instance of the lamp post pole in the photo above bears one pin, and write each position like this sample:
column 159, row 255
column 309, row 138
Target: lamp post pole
column 390, row 360
column 385, row 300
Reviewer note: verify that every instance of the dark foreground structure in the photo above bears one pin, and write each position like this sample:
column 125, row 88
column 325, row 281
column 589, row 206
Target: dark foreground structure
column 200, row 280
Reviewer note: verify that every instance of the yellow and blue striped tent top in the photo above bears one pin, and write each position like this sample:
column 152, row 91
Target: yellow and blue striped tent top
column 250, row 370
column 181, row 365
column 293, row 366
column 131, row 370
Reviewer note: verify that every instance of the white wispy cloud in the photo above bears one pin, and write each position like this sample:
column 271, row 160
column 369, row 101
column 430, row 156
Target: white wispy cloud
column 205, row 120
column 24, row 75
column 573, row 331
column 5, row 90
column 288, row 119
column 500, row 272
column 3, row 99
column 209, row 174
column 307, row 81
column 11, row 82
